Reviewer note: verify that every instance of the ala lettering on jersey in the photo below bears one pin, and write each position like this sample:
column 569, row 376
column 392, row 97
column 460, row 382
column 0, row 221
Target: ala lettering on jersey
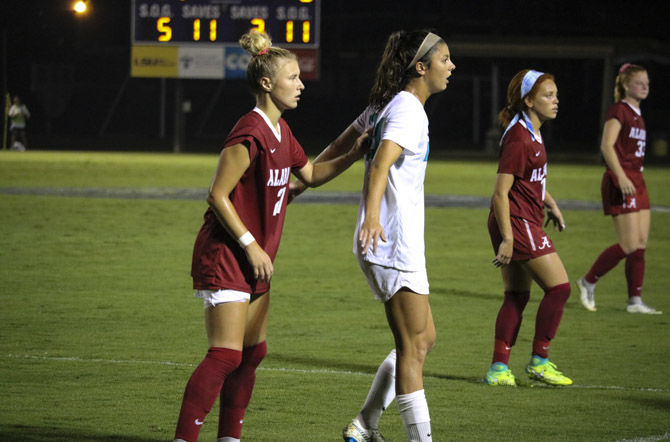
column 637, row 133
column 539, row 174
column 279, row 177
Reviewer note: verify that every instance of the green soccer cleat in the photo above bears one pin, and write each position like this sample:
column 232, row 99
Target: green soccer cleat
column 500, row 374
column 540, row 369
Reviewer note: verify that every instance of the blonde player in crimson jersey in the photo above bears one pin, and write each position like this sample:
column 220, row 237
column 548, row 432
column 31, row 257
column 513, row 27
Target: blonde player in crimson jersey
column 623, row 190
column 523, row 250
column 236, row 246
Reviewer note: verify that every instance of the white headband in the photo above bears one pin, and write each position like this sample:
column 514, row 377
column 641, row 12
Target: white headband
column 428, row 42
column 529, row 81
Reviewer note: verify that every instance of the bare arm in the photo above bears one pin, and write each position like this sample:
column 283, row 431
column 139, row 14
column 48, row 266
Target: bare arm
column 342, row 144
column 553, row 213
column 611, row 131
column 371, row 230
column 316, row 174
column 504, row 183
column 233, row 162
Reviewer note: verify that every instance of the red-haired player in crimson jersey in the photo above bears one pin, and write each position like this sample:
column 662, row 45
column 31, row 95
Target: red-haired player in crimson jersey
column 523, row 250
column 236, row 246
column 623, row 190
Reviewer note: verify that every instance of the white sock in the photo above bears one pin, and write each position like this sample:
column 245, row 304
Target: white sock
column 227, row 439
column 413, row 409
column 381, row 394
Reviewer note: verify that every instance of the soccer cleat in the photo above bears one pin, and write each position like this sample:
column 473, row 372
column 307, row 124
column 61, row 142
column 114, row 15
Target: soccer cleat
column 540, row 369
column 586, row 294
column 641, row 307
column 500, row 374
column 354, row 432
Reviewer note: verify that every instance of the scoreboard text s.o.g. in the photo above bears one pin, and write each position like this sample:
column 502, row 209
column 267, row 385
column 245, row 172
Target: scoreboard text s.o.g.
column 197, row 36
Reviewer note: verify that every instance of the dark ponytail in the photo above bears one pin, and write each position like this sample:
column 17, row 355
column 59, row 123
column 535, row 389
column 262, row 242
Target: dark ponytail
column 393, row 72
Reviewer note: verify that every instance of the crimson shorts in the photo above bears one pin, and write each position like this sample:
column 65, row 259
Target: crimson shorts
column 614, row 203
column 530, row 241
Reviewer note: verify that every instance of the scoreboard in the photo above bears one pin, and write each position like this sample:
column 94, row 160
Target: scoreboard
column 199, row 38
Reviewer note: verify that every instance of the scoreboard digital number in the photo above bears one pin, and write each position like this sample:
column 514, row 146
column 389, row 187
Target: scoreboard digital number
column 290, row 23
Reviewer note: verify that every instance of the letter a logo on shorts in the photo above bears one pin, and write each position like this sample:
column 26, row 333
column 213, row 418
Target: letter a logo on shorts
column 630, row 204
column 545, row 243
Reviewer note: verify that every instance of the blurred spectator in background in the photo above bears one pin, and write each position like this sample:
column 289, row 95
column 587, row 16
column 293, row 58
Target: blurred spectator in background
column 18, row 115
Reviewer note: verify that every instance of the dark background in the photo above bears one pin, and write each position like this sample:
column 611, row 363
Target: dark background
column 72, row 70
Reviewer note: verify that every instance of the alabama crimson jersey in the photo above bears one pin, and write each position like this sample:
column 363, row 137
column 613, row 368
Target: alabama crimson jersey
column 527, row 161
column 260, row 199
column 631, row 142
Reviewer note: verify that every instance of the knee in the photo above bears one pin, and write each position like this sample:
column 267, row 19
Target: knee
column 253, row 356
column 643, row 242
column 633, row 244
column 560, row 292
column 418, row 347
column 633, row 247
column 517, row 298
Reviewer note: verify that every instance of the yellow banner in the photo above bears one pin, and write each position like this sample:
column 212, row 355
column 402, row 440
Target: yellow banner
column 154, row 61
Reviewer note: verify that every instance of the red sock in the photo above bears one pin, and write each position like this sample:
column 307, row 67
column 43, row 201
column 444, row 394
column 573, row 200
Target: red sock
column 508, row 323
column 236, row 391
column 202, row 389
column 549, row 317
column 635, row 272
column 607, row 260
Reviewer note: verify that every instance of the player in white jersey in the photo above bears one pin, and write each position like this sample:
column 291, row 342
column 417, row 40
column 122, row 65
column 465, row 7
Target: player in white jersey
column 389, row 240
column 401, row 211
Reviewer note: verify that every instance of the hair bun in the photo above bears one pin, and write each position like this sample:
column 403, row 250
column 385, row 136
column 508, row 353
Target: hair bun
column 623, row 67
column 255, row 42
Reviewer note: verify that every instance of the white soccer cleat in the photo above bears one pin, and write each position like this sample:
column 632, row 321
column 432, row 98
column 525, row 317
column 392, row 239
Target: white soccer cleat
column 354, row 432
column 643, row 308
column 586, row 294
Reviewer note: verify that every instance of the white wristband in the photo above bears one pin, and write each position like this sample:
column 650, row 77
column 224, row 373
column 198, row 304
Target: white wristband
column 246, row 239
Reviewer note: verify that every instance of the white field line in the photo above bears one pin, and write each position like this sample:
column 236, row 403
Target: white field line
column 658, row 437
column 322, row 371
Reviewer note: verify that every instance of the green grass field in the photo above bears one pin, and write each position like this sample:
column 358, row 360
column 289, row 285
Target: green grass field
column 99, row 330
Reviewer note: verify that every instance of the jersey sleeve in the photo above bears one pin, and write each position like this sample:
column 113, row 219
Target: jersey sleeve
column 513, row 159
column 364, row 120
column 247, row 139
column 616, row 112
column 404, row 126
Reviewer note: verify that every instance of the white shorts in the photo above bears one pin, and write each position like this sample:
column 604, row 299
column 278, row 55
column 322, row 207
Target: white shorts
column 387, row 281
column 212, row 298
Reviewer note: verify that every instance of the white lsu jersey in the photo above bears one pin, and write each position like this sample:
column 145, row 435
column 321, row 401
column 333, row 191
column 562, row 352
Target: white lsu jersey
column 403, row 121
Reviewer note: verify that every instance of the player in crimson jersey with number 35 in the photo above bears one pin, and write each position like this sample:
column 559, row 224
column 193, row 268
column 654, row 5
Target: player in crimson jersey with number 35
column 236, row 246
column 523, row 250
column 623, row 190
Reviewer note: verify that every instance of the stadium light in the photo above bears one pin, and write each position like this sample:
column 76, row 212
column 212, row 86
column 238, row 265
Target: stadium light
column 80, row 7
